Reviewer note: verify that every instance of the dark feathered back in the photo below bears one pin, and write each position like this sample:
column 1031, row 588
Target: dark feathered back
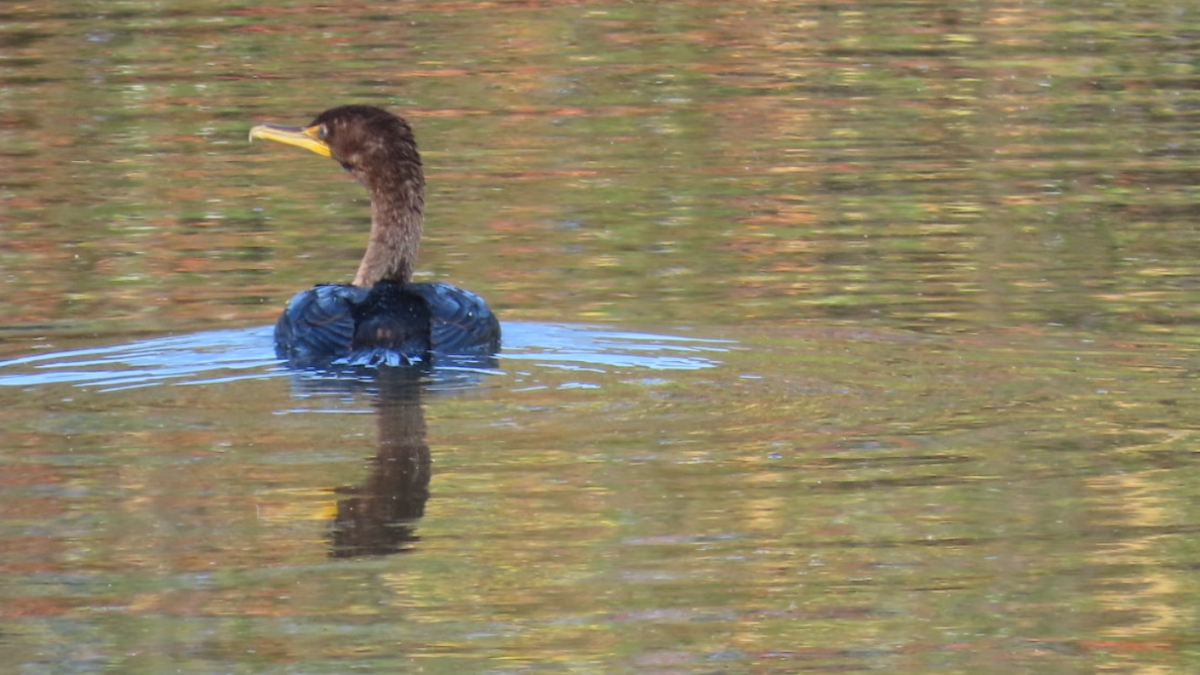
column 408, row 322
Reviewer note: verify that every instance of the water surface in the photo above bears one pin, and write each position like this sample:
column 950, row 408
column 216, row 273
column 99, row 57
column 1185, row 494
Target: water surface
column 838, row 337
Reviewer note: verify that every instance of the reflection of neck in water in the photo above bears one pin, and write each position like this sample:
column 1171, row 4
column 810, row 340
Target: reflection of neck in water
column 379, row 517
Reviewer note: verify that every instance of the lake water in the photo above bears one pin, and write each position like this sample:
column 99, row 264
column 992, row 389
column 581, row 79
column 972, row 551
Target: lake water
column 839, row 337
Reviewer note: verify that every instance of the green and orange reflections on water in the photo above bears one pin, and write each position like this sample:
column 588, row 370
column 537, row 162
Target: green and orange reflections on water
column 838, row 337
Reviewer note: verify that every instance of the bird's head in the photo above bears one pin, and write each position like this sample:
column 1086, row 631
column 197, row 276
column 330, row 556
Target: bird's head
column 374, row 145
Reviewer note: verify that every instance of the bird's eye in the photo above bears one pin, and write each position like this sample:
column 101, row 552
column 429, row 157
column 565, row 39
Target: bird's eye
column 322, row 132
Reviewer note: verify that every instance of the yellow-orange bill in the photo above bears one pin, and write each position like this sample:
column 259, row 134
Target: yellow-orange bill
column 303, row 137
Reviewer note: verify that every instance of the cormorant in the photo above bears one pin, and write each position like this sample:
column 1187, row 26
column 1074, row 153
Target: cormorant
column 382, row 318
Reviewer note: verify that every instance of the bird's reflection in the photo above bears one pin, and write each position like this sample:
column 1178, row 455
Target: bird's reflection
column 379, row 516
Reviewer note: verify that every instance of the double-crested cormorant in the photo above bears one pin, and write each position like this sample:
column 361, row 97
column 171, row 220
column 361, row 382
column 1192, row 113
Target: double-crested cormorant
column 382, row 317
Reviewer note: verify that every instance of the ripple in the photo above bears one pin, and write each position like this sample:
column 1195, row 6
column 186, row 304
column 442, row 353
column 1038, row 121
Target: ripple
column 230, row 355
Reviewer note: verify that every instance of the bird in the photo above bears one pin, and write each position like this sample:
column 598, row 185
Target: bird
column 382, row 317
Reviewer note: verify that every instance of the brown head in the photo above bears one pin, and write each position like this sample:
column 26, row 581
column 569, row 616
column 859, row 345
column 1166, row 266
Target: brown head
column 379, row 150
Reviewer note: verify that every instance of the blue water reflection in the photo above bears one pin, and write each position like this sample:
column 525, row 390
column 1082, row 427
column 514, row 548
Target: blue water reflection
column 230, row 355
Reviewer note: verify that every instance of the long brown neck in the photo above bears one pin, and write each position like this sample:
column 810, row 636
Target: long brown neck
column 397, row 217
